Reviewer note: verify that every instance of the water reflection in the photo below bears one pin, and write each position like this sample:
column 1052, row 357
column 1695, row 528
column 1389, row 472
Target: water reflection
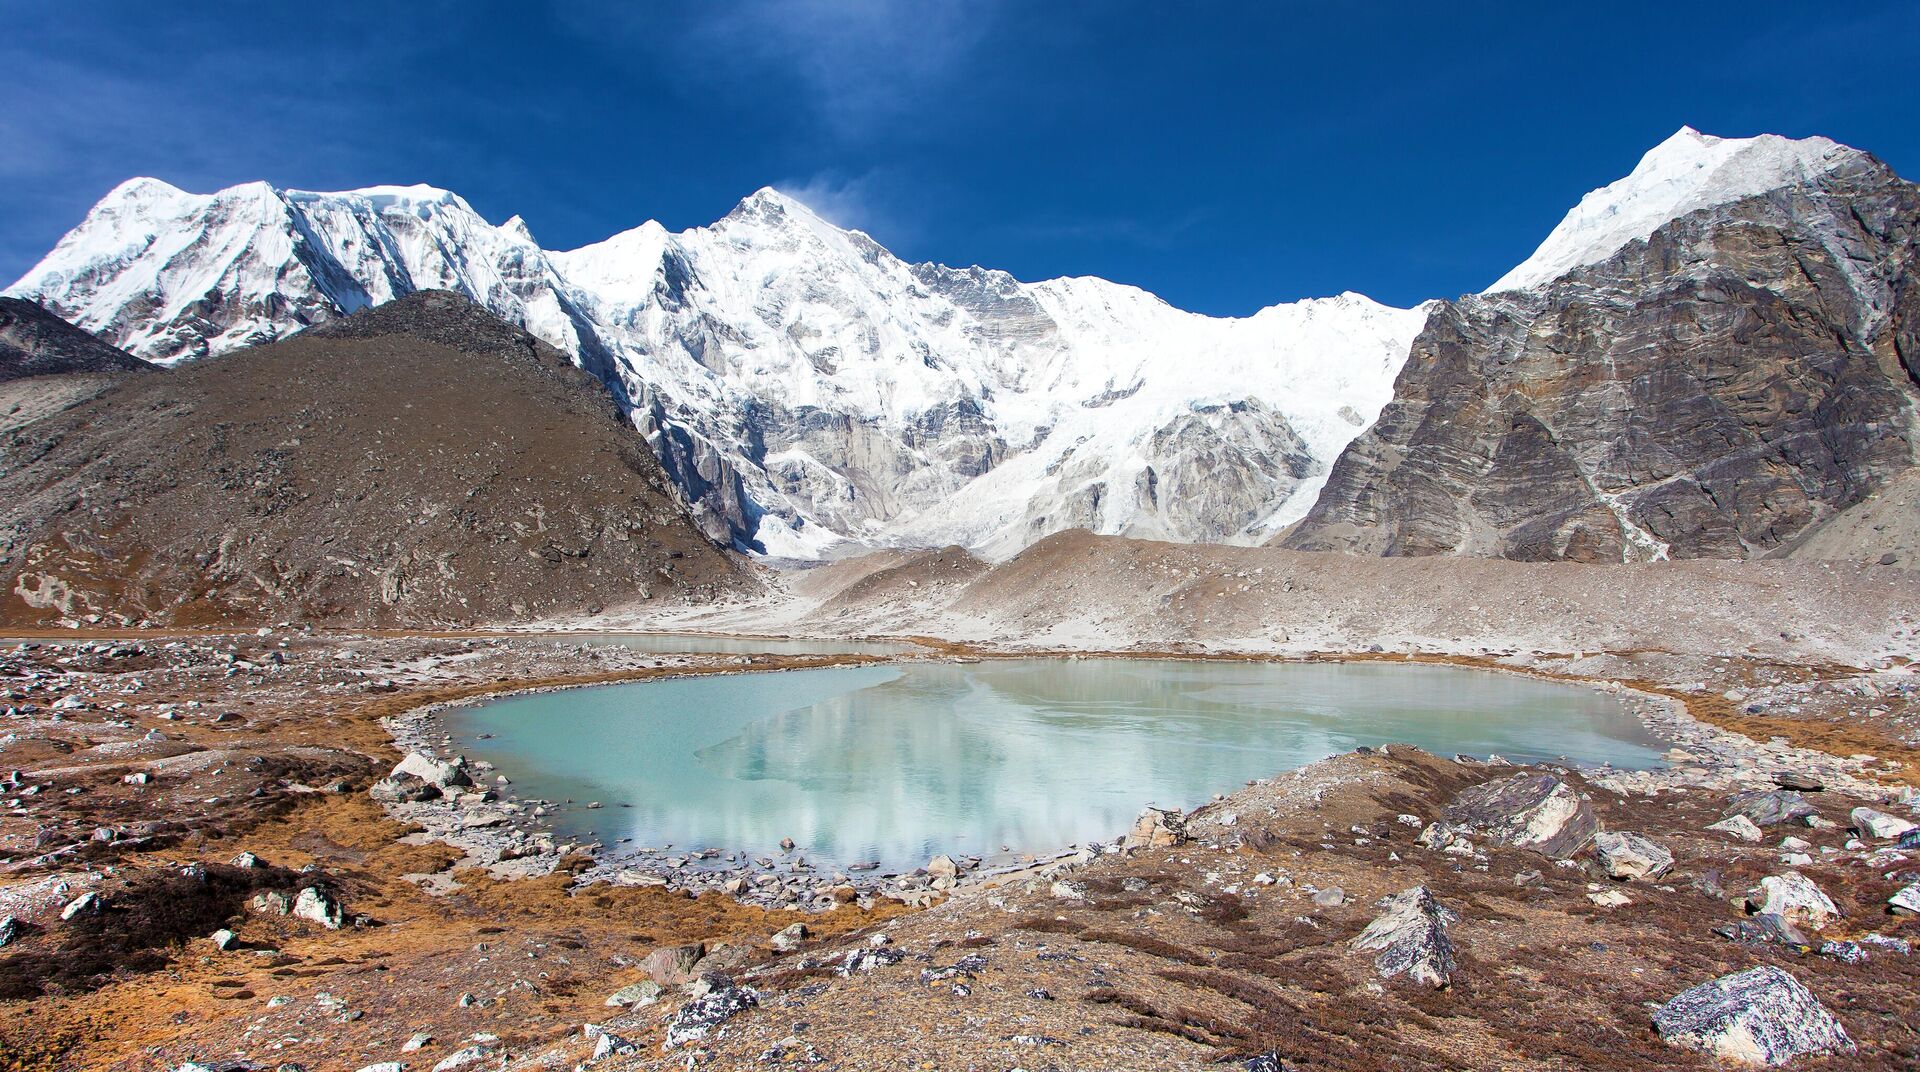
column 895, row 763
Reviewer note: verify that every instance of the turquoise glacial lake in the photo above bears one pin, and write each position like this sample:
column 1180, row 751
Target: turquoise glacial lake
column 896, row 763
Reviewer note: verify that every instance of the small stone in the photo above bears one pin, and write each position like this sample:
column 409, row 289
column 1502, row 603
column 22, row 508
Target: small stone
column 1758, row 1016
column 640, row 994
column 1330, row 898
column 1738, row 826
column 224, row 939
column 420, row 1040
column 786, row 844
column 788, row 939
column 1798, row 780
column 1610, row 899
column 84, row 905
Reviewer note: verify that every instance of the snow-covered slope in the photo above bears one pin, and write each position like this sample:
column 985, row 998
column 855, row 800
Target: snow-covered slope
column 810, row 391
column 1687, row 172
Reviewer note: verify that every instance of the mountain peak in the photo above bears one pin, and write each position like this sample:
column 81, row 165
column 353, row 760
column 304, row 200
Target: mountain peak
column 1687, row 172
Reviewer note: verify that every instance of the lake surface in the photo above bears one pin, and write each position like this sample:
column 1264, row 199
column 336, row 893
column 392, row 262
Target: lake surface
column 701, row 643
column 896, row 763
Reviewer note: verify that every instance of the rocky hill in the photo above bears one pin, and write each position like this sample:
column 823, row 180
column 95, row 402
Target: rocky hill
column 1713, row 388
column 419, row 463
column 34, row 342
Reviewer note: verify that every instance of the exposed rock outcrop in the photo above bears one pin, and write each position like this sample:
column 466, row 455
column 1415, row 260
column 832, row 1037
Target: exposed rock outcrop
column 35, row 342
column 1715, row 390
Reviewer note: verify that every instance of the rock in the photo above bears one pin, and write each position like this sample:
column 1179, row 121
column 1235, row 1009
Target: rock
column 1331, row 898
column 320, row 906
column 1879, row 824
column 788, row 939
column 439, row 773
column 86, row 904
column 1794, row 897
column 1067, row 890
column 270, row 903
column 786, row 844
column 1411, row 938
column 420, row 1040
column 1527, row 811
column 224, row 939
column 1435, row 836
column 673, row 964
column 859, row 961
column 1739, row 827
column 640, row 994
column 1799, row 781
column 1907, row 899
column 1758, row 1016
column 384, row 1066
column 609, row 1044
column 10, row 930
column 1630, row 856
column 1767, row 928
column 706, row 1012
column 248, row 860
column 1610, row 899
column 403, row 789
column 461, row 1058
column 1157, row 828
column 1770, row 807
column 944, row 873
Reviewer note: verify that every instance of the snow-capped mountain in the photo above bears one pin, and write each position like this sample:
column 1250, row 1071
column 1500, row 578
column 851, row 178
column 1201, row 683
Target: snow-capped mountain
column 1687, row 172
column 806, row 388
column 812, row 393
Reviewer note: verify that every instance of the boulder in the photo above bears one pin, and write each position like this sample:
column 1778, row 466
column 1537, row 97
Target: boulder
column 1770, row 807
column 1157, row 828
column 1410, row 937
column 672, row 965
column 943, row 872
column 1794, row 897
column 1906, row 900
column 1766, row 928
column 1738, row 826
column 403, row 789
column 706, row 1012
column 1631, row 856
column 1527, row 811
column 10, row 931
column 1759, row 1016
column 1879, row 824
column 315, row 904
column 788, row 939
column 271, row 903
column 1435, row 836
column 444, row 774
column 645, row 992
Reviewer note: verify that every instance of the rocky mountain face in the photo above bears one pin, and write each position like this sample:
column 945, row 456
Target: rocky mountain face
column 34, row 342
column 1716, row 384
column 807, row 390
column 419, row 463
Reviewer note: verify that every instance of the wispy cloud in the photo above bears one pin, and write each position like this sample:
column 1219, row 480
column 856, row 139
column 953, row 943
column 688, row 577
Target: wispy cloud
column 859, row 64
column 861, row 202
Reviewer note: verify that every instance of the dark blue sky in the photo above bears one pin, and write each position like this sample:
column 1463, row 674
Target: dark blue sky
column 1223, row 155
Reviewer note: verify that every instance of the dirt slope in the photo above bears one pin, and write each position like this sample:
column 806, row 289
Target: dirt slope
column 1075, row 589
column 419, row 463
column 34, row 342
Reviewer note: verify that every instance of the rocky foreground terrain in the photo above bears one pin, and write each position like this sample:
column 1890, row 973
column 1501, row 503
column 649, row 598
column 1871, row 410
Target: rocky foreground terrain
column 202, row 866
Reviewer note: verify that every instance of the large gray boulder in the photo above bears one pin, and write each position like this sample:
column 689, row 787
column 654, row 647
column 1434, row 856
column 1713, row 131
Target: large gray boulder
column 1411, row 938
column 1770, row 807
column 1527, row 811
column 1760, row 1016
column 1794, row 897
column 1631, row 856
column 1879, row 824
